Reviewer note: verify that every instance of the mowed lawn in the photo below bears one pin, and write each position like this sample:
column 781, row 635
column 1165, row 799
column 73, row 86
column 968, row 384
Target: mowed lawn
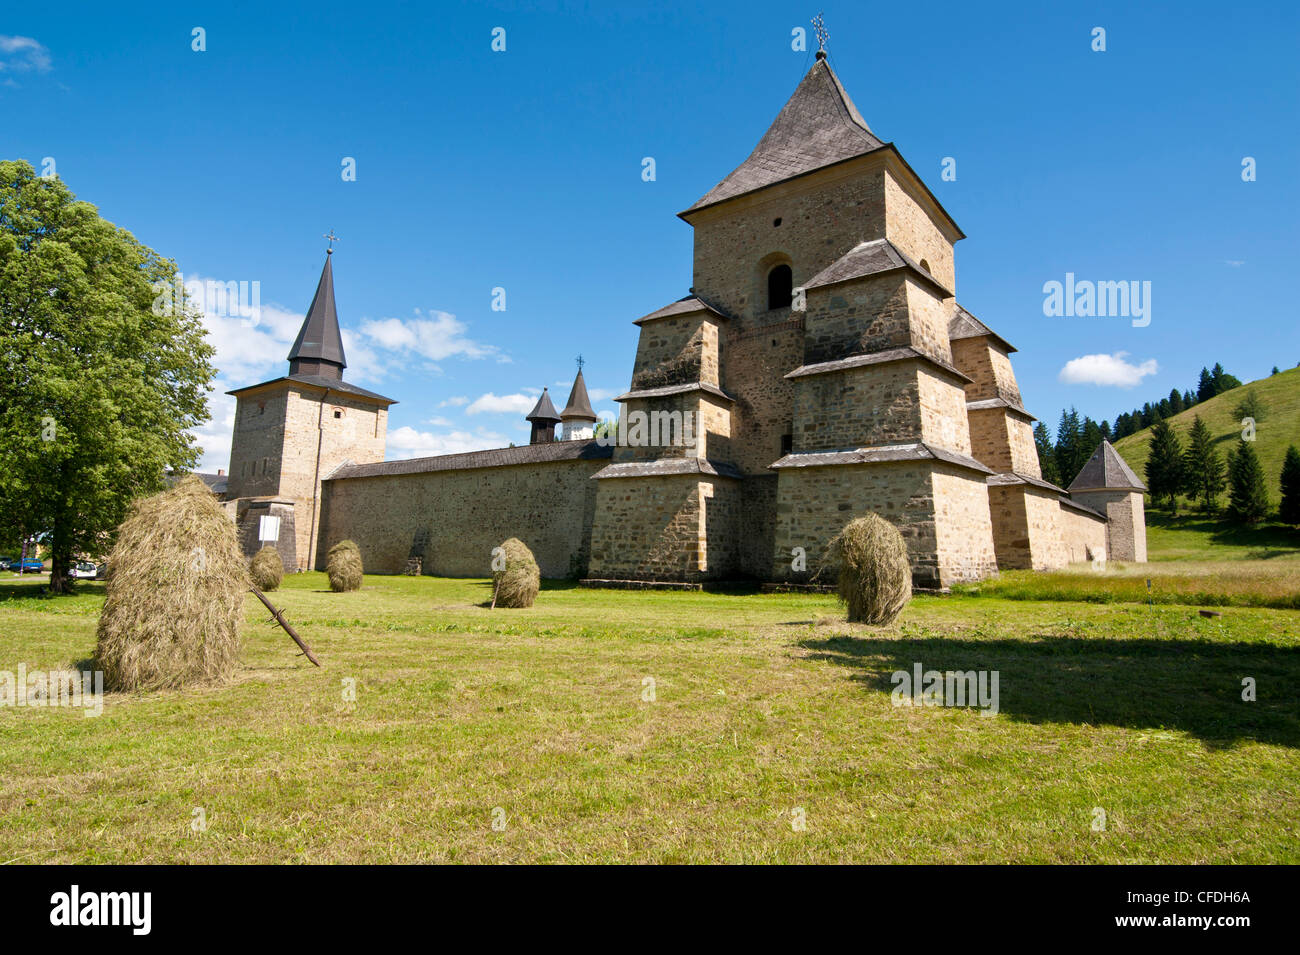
column 766, row 710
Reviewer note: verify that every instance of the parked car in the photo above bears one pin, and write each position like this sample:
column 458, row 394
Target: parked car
column 5, row 562
column 27, row 566
column 101, row 572
column 82, row 570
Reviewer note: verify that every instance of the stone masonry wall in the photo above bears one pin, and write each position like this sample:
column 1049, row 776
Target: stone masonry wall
column 913, row 230
column 453, row 519
column 1126, row 534
column 1082, row 535
column 821, row 217
column 857, row 317
column 943, row 410
column 1027, row 527
column 857, row 407
column 654, row 528
column 754, row 367
column 814, row 504
column 963, row 526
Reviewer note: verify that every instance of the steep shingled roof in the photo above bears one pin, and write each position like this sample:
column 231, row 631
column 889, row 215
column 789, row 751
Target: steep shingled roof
column 872, row 258
column 818, row 126
column 543, row 410
column 1106, row 470
column 966, row 325
column 319, row 338
column 579, row 406
column 683, row 306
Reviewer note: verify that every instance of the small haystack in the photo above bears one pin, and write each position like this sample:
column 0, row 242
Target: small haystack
column 517, row 583
column 175, row 594
column 875, row 578
column 343, row 565
column 267, row 569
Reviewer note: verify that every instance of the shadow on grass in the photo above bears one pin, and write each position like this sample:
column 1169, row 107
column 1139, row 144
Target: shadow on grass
column 15, row 588
column 1139, row 684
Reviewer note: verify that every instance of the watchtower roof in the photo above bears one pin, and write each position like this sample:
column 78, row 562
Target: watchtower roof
column 1106, row 470
column 543, row 410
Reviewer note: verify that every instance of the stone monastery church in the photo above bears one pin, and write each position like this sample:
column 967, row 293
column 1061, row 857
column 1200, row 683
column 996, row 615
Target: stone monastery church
column 826, row 364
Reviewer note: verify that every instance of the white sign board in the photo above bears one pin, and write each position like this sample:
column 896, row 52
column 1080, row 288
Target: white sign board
column 268, row 529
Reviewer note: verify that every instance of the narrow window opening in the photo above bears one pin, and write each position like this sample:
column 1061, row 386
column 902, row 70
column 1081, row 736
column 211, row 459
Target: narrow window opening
column 780, row 287
column 787, row 443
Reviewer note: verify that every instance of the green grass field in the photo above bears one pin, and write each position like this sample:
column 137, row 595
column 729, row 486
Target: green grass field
column 767, row 709
column 1278, row 429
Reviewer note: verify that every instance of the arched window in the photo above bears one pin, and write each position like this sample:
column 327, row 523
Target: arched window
column 926, row 265
column 780, row 287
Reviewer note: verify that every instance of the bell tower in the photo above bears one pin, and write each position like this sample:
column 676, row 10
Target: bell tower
column 291, row 432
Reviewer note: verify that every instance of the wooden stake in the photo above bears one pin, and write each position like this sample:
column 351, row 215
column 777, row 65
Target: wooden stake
column 278, row 617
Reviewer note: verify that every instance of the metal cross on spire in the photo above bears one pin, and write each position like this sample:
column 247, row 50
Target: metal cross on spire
column 333, row 238
column 819, row 27
column 581, row 362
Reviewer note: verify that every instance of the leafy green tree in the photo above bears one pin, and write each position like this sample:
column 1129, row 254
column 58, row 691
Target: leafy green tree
column 1203, row 466
column 99, row 384
column 1166, row 475
column 1250, row 406
column 1046, row 455
column 1247, row 495
column 1289, row 512
column 1176, row 405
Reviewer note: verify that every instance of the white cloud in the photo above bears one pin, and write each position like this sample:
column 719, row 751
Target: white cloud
column 407, row 442
column 502, row 404
column 22, row 54
column 439, row 336
column 458, row 401
column 214, row 436
column 1104, row 370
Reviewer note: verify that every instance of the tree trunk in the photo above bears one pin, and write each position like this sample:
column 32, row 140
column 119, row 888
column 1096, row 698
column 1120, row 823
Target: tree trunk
column 60, row 560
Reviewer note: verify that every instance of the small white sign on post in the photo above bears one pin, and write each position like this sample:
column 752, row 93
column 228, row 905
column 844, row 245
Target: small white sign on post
column 268, row 529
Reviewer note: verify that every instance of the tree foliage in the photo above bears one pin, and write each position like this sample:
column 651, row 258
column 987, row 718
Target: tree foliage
column 1247, row 495
column 1289, row 511
column 1165, row 470
column 1203, row 466
column 98, row 388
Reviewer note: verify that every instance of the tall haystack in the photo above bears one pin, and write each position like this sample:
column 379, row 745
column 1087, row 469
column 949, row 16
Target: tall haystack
column 175, row 594
column 875, row 578
column 517, row 581
column 266, row 569
column 343, row 565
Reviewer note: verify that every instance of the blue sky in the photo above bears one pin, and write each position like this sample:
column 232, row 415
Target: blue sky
column 522, row 170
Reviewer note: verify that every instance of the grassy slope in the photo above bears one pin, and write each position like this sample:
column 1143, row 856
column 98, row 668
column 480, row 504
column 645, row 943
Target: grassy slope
column 1280, row 394
column 764, row 704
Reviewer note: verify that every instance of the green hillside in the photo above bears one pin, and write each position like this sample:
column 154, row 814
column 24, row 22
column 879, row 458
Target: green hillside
column 1279, row 427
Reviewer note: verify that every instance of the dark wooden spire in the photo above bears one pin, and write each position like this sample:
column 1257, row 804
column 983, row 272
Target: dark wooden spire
column 318, row 349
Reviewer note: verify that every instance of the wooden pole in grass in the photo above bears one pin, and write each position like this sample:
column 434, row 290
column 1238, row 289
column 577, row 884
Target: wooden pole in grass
column 278, row 617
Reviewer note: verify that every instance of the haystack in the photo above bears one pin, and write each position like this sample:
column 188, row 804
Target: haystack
column 517, row 583
column 343, row 564
column 174, row 595
column 266, row 569
column 875, row 578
